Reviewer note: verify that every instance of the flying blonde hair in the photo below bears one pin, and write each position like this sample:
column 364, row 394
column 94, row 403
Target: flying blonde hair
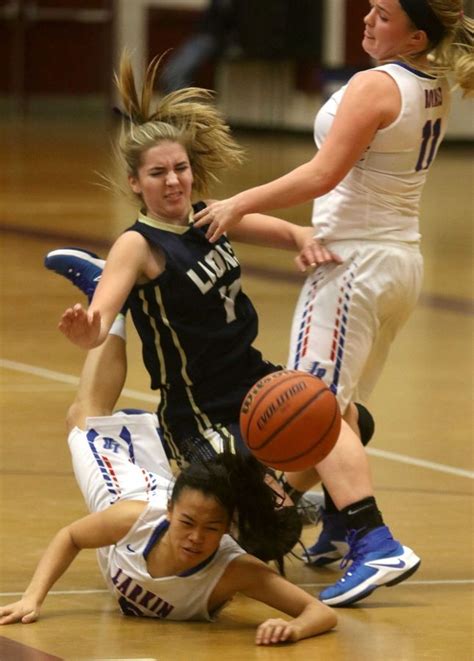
column 454, row 52
column 187, row 116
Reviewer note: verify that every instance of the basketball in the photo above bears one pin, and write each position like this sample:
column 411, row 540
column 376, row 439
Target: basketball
column 290, row 420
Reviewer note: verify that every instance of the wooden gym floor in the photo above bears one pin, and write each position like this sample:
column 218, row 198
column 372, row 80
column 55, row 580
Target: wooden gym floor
column 421, row 455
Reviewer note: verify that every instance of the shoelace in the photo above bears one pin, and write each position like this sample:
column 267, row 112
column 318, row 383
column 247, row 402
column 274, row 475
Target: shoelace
column 355, row 548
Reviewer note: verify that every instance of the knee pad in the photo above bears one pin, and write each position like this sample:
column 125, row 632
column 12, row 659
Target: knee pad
column 366, row 424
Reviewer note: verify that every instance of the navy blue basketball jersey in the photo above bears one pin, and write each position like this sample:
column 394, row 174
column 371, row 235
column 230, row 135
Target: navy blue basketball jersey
column 197, row 327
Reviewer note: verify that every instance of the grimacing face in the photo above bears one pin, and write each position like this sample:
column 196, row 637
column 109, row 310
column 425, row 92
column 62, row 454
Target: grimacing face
column 389, row 32
column 197, row 523
column 164, row 182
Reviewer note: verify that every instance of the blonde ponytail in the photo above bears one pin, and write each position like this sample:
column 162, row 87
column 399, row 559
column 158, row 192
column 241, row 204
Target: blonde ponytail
column 454, row 53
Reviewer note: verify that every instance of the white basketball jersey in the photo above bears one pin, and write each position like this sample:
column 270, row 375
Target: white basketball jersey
column 172, row 597
column 379, row 199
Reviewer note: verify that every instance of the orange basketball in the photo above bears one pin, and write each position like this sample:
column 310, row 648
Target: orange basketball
column 290, row 420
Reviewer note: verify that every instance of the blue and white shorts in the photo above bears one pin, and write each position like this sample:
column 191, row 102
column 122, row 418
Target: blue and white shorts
column 348, row 314
column 120, row 457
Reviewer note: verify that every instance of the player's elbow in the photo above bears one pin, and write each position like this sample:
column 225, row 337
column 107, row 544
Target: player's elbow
column 324, row 175
column 327, row 180
column 331, row 618
column 325, row 617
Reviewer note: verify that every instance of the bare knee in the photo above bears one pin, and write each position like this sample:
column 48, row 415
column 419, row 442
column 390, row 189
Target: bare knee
column 75, row 416
column 351, row 416
column 81, row 409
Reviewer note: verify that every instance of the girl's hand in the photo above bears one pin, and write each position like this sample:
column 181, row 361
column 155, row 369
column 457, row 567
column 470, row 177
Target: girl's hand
column 81, row 326
column 275, row 631
column 26, row 610
column 313, row 254
column 220, row 216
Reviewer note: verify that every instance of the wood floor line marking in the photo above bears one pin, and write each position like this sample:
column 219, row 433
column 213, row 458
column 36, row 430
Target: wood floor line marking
column 135, row 394
column 421, row 583
column 68, row 378
column 422, row 463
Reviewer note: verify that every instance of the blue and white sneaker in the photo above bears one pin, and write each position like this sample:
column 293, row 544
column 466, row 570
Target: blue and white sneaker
column 331, row 544
column 81, row 267
column 377, row 559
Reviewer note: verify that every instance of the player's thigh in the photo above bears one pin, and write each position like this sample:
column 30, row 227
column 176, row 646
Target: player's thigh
column 333, row 327
column 105, row 466
column 397, row 282
column 145, row 441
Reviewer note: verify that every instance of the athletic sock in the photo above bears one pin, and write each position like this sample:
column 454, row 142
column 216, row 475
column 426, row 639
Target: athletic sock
column 329, row 505
column 363, row 516
column 119, row 327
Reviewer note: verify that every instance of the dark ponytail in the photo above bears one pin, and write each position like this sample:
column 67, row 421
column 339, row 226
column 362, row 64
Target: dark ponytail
column 265, row 529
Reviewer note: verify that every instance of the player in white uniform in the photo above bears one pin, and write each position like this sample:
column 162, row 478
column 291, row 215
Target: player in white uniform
column 376, row 138
column 164, row 549
column 348, row 314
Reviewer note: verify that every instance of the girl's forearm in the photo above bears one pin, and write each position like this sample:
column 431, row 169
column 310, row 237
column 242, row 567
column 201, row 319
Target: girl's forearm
column 302, row 184
column 271, row 232
column 55, row 561
column 316, row 618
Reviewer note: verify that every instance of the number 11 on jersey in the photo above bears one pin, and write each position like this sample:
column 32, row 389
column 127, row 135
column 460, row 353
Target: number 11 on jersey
column 430, row 136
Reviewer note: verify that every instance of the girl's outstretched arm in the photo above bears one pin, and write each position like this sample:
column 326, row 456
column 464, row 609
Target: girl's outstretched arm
column 255, row 579
column 58, row 556
column 127, row 263
column 269, row 231
column 370, row 102
column 92, row 531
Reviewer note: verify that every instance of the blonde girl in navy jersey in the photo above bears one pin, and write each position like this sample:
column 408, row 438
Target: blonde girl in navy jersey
column 377, row 137
column 196, row 324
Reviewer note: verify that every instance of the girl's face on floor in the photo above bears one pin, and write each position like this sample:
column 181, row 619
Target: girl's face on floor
column 389, row 32
column 197, row 523
column 164, row 182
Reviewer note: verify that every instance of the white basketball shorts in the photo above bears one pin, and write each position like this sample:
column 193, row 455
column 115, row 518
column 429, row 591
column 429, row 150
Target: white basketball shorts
column 120, row 457
column 348, row 314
